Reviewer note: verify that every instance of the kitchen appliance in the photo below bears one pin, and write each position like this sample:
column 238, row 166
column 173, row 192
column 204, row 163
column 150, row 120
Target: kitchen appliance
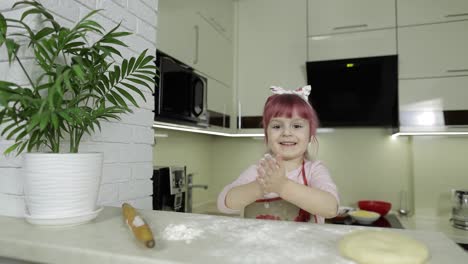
column 169, row 188
column 460, row 209
column 180, row 93
column 355, row 92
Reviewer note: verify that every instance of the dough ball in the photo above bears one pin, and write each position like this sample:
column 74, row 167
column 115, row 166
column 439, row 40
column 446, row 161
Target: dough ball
column 382, row 247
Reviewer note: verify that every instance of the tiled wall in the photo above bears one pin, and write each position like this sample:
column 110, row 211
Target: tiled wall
column 127, row 145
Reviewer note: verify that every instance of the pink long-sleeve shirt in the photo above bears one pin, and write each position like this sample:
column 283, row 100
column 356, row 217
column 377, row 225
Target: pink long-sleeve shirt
column 316, row 173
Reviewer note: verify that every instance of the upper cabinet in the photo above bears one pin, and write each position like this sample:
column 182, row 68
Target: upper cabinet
column 415, row 12
column 433, row 50
column 271, row 50
column 175, row 37
column 338, row 16
column 219, row 103
column 213, row 52
column 199, row 33
column 352, row 45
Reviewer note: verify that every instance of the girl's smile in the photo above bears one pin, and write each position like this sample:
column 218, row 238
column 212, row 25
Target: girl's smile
column 288, row 137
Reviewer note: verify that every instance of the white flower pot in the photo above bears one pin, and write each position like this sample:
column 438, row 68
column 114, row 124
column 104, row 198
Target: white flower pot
column 61, row 186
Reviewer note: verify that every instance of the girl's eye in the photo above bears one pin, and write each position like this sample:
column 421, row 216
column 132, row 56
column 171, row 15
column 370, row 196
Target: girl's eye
column 275, row 126
column 298, row 126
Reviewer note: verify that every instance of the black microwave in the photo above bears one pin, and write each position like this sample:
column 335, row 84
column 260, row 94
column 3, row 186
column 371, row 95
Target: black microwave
column 180, row 93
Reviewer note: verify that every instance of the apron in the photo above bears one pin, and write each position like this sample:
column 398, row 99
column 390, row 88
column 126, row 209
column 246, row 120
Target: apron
column 278, row 209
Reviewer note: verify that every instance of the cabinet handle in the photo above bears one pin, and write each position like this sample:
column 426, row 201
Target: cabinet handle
column 239, row 112
column 197, row 35
column 458, row 70
column 224, row 115
column 351, row 26
column 457, row 15
column 217, row 25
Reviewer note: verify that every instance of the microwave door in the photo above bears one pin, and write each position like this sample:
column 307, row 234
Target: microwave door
column 175, row 97
column 198, row 87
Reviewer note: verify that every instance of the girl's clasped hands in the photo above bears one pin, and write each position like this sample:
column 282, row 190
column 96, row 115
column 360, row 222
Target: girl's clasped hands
column 271, row 174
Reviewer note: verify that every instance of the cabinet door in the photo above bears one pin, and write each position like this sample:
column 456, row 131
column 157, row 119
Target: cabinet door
column 433, row 104
column 214, row 54
column 176, row 29
column 220, row 13
column 352, row 45
column 272, row 50
column 433, row 94
column 413, row 12
column 337, row 16
column 433, row 50
column 219, row 101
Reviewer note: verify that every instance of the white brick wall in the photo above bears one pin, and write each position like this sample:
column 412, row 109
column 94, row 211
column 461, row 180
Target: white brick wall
column 126, row 144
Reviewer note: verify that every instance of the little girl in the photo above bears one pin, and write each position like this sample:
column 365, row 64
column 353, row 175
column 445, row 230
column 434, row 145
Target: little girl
column 286, row 184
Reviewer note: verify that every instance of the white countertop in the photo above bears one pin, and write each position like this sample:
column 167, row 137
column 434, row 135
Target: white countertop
column 414, row 222
column 435, row 223
column 194, row 238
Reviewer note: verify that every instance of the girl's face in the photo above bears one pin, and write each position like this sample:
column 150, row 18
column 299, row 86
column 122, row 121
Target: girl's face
column 288, row 137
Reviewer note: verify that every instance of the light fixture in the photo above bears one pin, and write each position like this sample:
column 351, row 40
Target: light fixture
column 447, row 133
column 203, row 131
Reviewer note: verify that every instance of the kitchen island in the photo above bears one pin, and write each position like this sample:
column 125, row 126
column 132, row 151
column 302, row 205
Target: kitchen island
column 193, row 238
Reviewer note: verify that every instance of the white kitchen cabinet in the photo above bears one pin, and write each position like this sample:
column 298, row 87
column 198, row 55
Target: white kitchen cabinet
column 433, row 94
column 271, row 50
column 214, row 53
column 219, row 98
column 176, row 29
column 220, row 14
column 414, row 12
column 433, row 50
column 338, row 16
column 352, row 45
column 190, row 31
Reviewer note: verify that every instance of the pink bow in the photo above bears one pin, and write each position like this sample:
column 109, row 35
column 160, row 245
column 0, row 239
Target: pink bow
column 302, row 92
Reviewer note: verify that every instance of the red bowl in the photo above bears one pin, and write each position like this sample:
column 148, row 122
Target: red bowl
column 380, row 207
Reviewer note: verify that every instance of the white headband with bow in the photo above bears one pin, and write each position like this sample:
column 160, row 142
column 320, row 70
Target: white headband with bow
column 302, row 92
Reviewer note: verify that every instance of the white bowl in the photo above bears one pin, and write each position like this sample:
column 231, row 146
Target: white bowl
column 364, row 217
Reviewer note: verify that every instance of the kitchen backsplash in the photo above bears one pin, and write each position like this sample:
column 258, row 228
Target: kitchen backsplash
column 365, row 164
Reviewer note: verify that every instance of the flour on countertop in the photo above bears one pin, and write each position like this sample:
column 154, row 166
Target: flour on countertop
column 259, row 241
column 181, row 232
column 242, row 241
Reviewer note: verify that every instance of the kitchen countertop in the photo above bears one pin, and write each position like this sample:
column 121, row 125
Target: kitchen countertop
column 414, row 222
column 435, row 223
column 194, row 238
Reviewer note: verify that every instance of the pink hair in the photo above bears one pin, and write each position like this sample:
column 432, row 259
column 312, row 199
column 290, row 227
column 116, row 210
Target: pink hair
column 285, row 105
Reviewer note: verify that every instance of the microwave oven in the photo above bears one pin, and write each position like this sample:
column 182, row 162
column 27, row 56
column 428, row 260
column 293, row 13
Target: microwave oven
column 180, row 93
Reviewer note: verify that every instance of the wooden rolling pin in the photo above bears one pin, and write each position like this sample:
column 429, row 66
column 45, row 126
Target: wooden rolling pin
column 139, row 227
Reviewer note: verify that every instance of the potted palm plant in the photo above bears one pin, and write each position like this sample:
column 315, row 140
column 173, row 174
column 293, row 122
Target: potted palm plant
column 79, row 85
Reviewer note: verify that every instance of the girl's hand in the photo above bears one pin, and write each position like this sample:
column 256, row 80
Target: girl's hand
column 261, row 178
column 272, row 174
column 261, row 172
